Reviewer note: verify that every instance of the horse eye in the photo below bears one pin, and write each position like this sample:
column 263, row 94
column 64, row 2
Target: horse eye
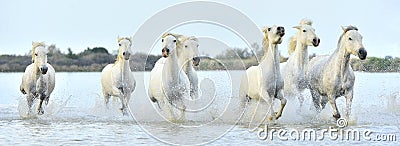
column 269, row 29
column 185, row 46
column 162, row 40
column 35, row 54
column 350, row 39
column 304, row 31
column 119, row 44
column 174, row 41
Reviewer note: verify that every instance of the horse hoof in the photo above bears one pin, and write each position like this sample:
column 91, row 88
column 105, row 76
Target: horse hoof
column 336, row 116
column 277, row 116
column 271, row 118
column 40, row 112
column 153, row 99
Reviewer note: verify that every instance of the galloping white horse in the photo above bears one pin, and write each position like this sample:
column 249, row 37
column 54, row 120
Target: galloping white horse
column 39, row 77
column 295, row 68
column 264, row 81
column 168, row 84
column 117, row 79
column 331, row 76
column 188, row 55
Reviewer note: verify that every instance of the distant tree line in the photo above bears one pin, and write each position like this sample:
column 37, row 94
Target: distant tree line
column 95, row 59
column 90, row 60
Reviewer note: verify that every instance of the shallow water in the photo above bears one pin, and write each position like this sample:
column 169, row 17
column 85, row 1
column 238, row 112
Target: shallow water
column 76, row 114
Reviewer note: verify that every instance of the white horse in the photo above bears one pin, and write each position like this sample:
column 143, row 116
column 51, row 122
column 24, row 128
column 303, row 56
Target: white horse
column 188, row 56
column 331, row 76
column 39, row 77
column 169, row 85
column 294, row 70
column 264, row 81
column 117, row 79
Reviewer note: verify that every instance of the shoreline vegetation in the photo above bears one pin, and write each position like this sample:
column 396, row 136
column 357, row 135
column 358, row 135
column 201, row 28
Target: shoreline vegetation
column 95, row 59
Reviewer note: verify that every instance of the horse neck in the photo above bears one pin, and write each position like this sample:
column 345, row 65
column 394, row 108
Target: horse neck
column 36, row 71
column 340, row 61
column 265, row 48
column 185, row 64
column 265, row 54
column 272, row 57
column 301, row 55
column 123, row 65
column 172, row 67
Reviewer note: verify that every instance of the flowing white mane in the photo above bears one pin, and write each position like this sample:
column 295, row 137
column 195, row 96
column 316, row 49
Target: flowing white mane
column 34, row 45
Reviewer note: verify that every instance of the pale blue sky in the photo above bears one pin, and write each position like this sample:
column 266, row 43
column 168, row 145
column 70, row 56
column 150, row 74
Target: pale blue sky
column 79, row 24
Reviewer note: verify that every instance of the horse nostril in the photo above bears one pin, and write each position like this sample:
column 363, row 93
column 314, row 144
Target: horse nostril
column 196, row 61
column 44, row 69
column 362, row 53
column 123, row 53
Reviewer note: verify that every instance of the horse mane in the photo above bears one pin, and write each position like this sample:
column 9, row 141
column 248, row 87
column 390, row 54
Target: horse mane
column 193, row 38
column 127, row 38
column 265, row 40
column 34, row 45
column 293, row 39
column 345, row 30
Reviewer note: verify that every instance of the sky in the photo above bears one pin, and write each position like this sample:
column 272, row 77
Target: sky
column 79, row 24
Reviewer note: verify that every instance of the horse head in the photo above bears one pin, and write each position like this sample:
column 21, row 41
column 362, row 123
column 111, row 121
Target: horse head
column 39, row 56
column 274, row 34
column 169, row 44
column 306, row 34
column 351, row 40
column 124, row 49
column 190, row 50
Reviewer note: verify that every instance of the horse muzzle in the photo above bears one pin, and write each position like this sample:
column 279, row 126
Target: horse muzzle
column 126, row 55
column 362, row 53
column 196, row 61
column 43, row 69
column 281, row 31
column 316, row 42
column 165, row 52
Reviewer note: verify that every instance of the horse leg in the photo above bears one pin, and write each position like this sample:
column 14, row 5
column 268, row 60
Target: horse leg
column 181, row 107
column 332, row 101
column 46, row 100
column 106, row 99
column 40, row 109
column 323, row 101
column 316, row 97
column 301, row 100
column 283, row 104
column 244, row 101
column 29, row 99
column 168, row 106
column 123, row 99
column 270, row 101
column 349, row 99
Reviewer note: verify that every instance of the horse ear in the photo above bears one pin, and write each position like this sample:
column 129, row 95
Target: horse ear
column 344, row 28
column 118, row 39
column 297, row 27
column 265, row 29
column 33, row 43
column 181, row 38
